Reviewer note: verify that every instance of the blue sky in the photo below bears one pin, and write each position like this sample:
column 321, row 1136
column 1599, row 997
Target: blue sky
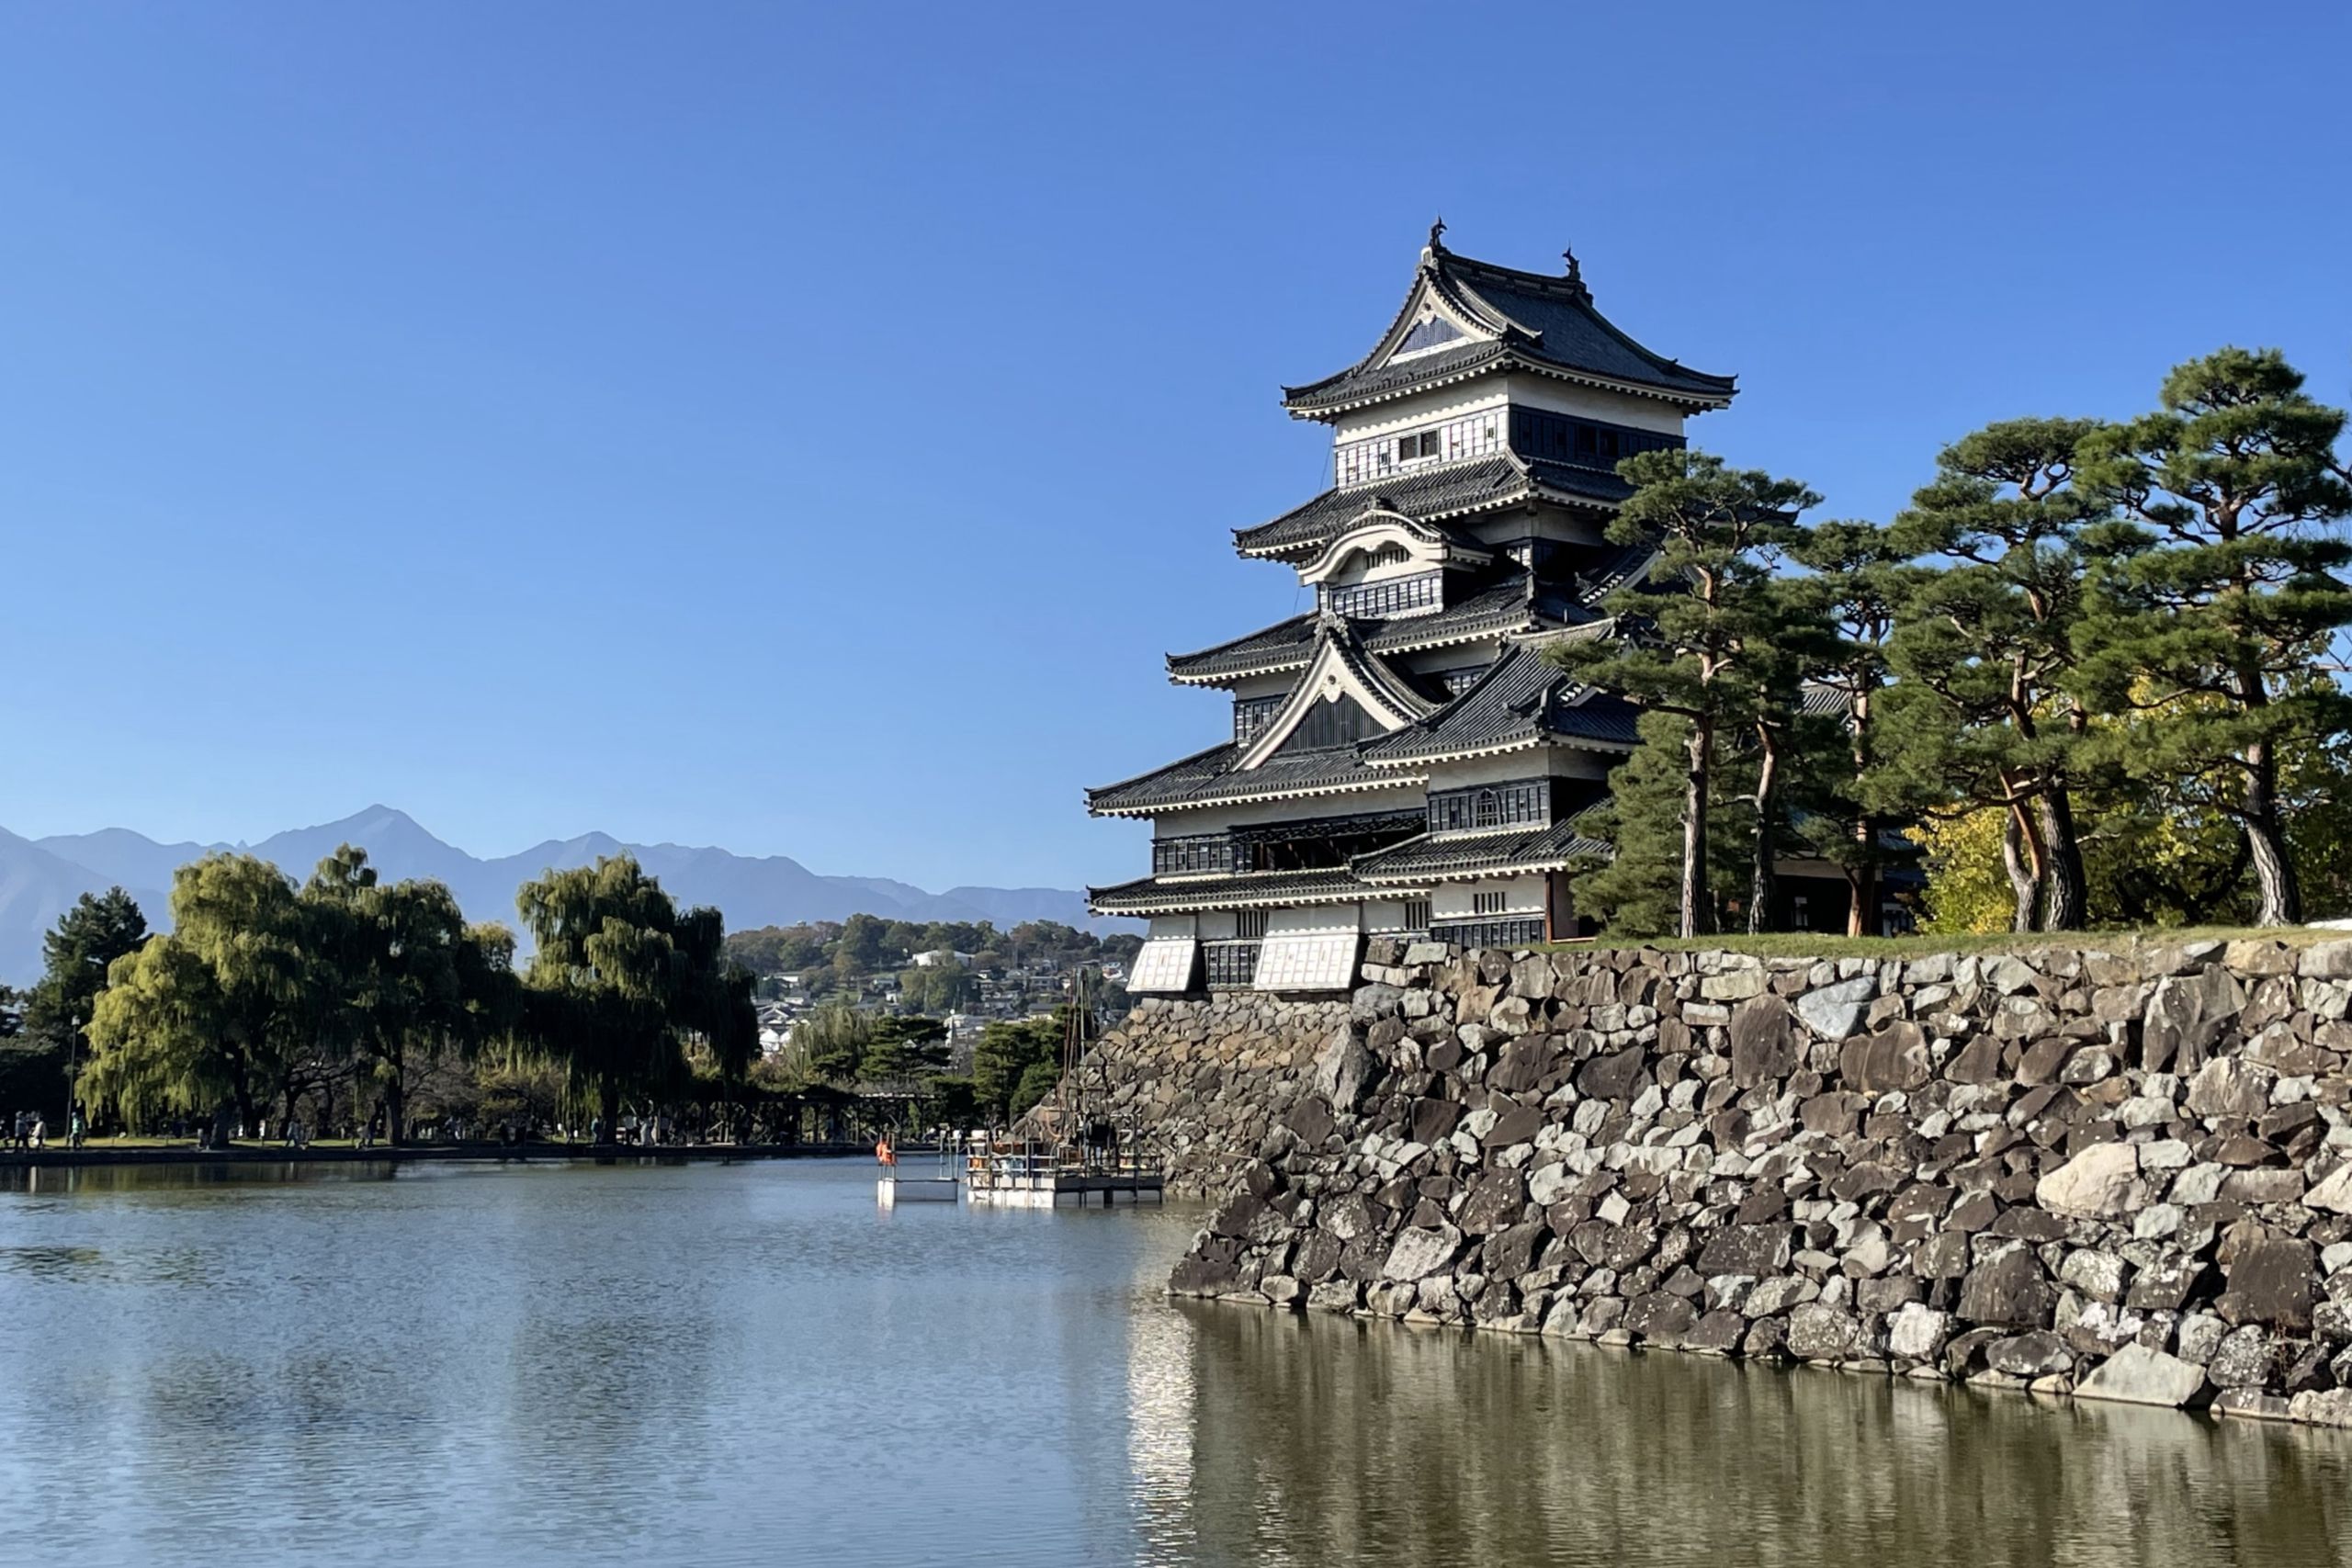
column 804, row 429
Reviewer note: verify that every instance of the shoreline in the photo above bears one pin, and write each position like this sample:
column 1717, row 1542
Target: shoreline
column 495, row 1153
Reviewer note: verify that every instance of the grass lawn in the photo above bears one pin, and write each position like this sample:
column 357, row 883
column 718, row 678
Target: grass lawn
column 1806, row 944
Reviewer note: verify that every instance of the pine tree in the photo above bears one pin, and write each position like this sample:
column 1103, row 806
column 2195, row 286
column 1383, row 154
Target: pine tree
column 1859, row 580
column 2220, row 592
column 1695, row 640
column 1985, row 648
column 1637, row 891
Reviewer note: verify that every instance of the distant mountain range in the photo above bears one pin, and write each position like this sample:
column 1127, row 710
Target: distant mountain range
column 40, row 878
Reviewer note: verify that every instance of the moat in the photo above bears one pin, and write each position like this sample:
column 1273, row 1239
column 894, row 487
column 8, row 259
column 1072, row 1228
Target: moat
column 748, row 1363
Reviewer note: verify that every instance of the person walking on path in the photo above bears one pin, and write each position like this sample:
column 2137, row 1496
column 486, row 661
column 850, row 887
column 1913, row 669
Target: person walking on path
column 77, row 1129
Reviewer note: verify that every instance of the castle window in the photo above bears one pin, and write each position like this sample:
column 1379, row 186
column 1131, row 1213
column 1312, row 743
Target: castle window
column 1250, row 924
column 1251, row 716
column 1489, row 812
column 1417, row 914
column 1486, row 903
column 1394, row 596
column 1473, row 435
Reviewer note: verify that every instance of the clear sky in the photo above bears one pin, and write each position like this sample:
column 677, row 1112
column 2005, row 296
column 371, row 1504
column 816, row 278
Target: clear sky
column 804, row 429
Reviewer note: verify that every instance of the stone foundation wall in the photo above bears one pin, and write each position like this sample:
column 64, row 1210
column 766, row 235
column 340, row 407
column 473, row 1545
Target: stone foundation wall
column 2120, row 1174
column 1208, row 1082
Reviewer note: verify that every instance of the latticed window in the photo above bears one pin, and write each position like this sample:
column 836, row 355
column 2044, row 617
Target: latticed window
column 1250, row 924
column 1524, row 932
column 1382, row 600
column 1251, row 715
column 1527, row 803
column 1230, row 963
column 1195, row 853
column 1473, row 435
column 1417, row 914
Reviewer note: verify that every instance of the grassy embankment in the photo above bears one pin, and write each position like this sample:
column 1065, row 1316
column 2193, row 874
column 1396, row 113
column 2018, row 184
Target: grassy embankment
column 1806, row 944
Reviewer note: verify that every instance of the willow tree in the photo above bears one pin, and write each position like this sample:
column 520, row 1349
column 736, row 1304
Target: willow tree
column 1696, row 640
column 2222, row 591
column 622, row 981
column 398, row 980
column 217, row 1015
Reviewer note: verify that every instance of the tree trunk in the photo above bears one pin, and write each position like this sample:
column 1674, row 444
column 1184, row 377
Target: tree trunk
column 395, row 1112
column 2066, row 893
column 608, row 1106
column 1702, row 747
column 2279, row 895
column 1762, row 889
column 2024, row 884
column 1862, row 877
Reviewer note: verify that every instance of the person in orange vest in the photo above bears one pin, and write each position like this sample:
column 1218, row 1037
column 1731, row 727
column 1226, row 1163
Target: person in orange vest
column 883, row 1153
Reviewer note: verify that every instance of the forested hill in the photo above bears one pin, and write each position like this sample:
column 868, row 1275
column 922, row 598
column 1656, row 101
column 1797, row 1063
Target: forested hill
column 40, row 878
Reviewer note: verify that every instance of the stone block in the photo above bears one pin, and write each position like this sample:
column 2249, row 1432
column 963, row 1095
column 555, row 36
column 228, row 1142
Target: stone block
column 2138, row 1375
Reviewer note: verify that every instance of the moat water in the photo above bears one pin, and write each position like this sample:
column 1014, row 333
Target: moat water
column 725, row 1364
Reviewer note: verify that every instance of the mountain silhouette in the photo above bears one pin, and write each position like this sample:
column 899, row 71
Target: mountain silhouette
column 40, row 878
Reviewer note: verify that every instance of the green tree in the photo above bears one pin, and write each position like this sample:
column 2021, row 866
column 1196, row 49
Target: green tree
column 1637, row 890
column 2220, row 591
column 75, row 957
column 1857, row 581
column 938, row 988
column 216, row 1015
column 400, row 979
column 621, row 980
column 1007, row 1051
column 905, row 1050
column 1036, row 1086
column 1694, row 639
column 1985, row 705
column 831, row 1043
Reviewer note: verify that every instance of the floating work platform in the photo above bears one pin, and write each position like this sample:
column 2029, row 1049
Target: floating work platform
column 1033, row 1177
column 892, row 1190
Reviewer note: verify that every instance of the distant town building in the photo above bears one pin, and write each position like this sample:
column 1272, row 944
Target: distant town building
column 1402, row 758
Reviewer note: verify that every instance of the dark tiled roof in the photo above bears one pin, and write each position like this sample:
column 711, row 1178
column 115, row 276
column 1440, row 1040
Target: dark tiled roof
column 1210, row 777
column 1431, row 858
column 1516, row 602
column 1823, row 700
column 1151, row 895
column 1547, row 323
column 1522, row 698
column 1427, row 494
column 1432, row 495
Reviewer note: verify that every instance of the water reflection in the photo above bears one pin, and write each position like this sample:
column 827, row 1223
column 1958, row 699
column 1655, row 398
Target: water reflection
column 1327, row 1441
column 753, row 1365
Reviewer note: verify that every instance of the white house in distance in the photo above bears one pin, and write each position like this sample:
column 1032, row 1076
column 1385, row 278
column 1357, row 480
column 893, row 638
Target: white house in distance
column 1403, row 760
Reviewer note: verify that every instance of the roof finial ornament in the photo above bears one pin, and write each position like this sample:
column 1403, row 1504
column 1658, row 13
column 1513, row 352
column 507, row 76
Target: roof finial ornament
column 1575, row 272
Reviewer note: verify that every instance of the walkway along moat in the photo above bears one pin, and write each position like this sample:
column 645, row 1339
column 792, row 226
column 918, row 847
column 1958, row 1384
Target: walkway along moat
column 2121, row 1174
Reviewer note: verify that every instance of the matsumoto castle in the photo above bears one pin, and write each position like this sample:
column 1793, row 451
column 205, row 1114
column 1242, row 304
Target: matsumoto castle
column 1404, row 760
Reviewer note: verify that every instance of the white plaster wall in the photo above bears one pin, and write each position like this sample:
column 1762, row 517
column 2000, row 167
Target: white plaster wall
column 1171, row 925
column 1554, row 762
column 1322, row 919
column 1424, row 407
column 1521, row 895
